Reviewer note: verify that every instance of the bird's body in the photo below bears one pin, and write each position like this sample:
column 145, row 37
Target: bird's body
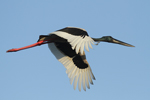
column 74, row 61
column 67, row 45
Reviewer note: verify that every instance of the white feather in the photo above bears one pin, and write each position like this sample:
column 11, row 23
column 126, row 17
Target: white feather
column 69, row 39
column 73, row 76
column 74, row 73
column 82, row 48
column 84, row 78
column 75, row 81
column 69, row 69
column 65, row 61
column 90, row 44
column 70, row 72
column 90, row 79
column 80, row 80
column 87, row 81
column 69, row 65
column 74, row 40
column 78, row 47
column 93, row 77
column 86, row 46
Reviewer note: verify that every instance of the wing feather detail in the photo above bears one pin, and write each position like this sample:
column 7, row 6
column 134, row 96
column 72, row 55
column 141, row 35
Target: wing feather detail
column 82, row 48
column 87, row 81
column 80, row 77
column 80, row 80
column 90, row 45
column 86, row 46
column 76, row 81
column 84, row 84
column 78, row 47
column 76, row 41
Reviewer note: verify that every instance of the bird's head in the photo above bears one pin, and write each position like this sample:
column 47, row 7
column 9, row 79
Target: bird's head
column 107, row 39
column 110, row 39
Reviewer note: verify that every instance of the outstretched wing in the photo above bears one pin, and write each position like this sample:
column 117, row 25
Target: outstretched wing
column 77, row 37
column 77, row 67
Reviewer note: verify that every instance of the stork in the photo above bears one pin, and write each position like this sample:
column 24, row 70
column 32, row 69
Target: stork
column 68, row 45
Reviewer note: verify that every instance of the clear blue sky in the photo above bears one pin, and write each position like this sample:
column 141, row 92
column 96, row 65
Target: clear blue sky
column 122, row 73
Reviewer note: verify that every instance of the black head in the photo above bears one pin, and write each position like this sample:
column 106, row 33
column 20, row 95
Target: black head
column 110, row 39
column 107, row 39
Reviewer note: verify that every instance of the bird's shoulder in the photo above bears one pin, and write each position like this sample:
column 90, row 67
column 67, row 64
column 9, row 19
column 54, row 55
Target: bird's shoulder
column 74, row 31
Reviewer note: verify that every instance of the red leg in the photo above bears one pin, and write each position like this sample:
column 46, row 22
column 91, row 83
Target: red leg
column 26, row 47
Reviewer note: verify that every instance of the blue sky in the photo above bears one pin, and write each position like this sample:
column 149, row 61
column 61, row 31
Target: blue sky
column 122, row 73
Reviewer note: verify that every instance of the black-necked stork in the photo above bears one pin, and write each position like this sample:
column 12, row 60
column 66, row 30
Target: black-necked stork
column 67, row 45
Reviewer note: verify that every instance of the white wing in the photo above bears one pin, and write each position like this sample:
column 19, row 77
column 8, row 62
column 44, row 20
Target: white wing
column 77, row 42
column 76, row 75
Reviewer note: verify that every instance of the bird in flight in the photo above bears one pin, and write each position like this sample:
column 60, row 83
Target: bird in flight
column 68, row 45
